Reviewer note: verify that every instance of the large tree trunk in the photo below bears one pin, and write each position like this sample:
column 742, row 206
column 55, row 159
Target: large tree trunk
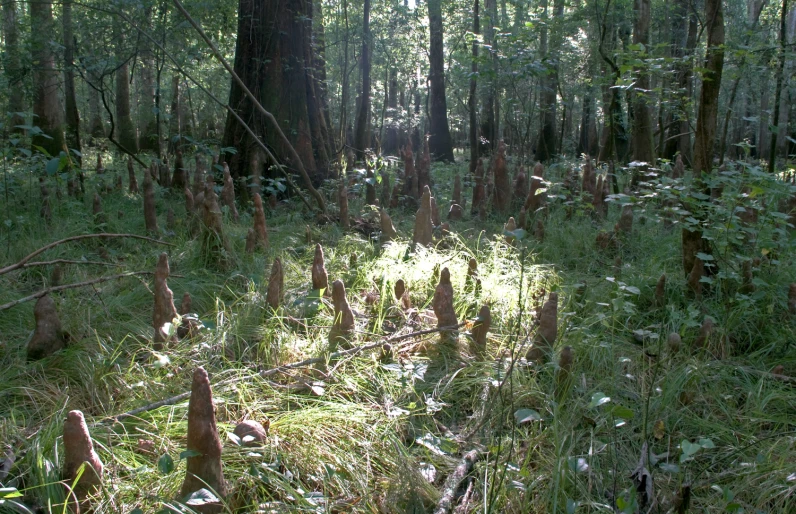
column 390, row 145
column 72, row 115
column 124, row 129
column 439, row 142
column 642, row 136
column 473, row 98
column 270, row 58
column 711, row 85
column 12, row 66
column 361, row 131
column 46, row 104
column 176, row 121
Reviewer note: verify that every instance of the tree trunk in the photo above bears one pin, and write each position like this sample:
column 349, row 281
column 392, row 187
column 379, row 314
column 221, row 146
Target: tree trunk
column 643, row 143
column 361, row 132
column 439, row 142
column 46, row 104
column 176, row 121
column 711, row 85
column 148, row 134
column 124, row 128
column 684, row 37
column 70, row 100
column 473, row 98
column 271, row 59
column 390, row 146
column 546, row 146
column 489, row 118
column 783, row 37
column 12, row 66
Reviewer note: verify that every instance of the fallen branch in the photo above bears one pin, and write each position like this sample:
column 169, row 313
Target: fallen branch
column 287, row 367
column 21, row 264
column 66, row 261
column 455, row 479
column 49, row 290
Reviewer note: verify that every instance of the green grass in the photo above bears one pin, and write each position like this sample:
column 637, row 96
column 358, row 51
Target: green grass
column 366, row 433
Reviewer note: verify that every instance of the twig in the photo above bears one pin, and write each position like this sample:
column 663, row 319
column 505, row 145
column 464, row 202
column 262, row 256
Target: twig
column 453, row 481
column 43, row 249
column 270, row 117
column 286, row 367
column 91, row 282
column 67, row 261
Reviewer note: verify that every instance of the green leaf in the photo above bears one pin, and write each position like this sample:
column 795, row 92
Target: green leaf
column 526, row 415
column 620, row 411
column 706, row 444
column 598, row 399
column 166, row 464
column 52, row 166
column 189, row 453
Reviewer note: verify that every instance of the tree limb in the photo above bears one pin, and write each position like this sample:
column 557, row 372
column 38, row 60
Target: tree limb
column 49, row 290
column 25, row 260
column 453, row 481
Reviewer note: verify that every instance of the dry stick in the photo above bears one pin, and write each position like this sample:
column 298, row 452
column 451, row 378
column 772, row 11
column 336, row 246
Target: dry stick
column 67, row 261
column 217, row 101
column 299, row 164
column 21, row 264
column 286, row 367
column 49, row 290
column 453, row 481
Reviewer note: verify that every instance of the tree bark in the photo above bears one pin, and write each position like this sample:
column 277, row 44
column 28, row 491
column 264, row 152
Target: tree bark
column 12, row 66
column 473, row 98
column 271, row 59
column 642, row 137
column 72, row 114
column 490, row 118
column 148, row 134
column 47, row 108
column 125, row 129
column 439, row 142
column 176, row 121
column 546, row 144
column 684, row 36
column 783, row 32
column 362, row 132
column 711, row 85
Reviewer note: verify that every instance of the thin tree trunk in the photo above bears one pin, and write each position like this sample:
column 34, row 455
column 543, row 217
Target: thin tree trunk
column 148, row 136
column 344, row 80
column 711, row 85
column 549, row 48
column 783, row 37
column 46, row 104
column 642, row 136
column 439, row 142
column 755, row 9
column 473, row 98
column 12, row 66
column 126, row 135
column 489, row 118
column 361, row 133
column 72, row 115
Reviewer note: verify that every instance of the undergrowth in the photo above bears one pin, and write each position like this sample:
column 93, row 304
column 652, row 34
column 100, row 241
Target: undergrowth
column 380, row 432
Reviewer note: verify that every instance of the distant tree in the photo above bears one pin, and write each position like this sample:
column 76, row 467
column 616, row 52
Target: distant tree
column 711, row 86
column 12, row 64
column 361, row 131
column 46, row 103
column 439, row 142
column 124, row 128
column 70, row 95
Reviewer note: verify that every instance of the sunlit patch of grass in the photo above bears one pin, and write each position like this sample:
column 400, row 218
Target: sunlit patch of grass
column 380, row 433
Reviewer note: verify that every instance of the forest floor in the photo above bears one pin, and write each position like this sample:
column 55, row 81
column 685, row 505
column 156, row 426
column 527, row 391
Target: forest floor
column 380, row 431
